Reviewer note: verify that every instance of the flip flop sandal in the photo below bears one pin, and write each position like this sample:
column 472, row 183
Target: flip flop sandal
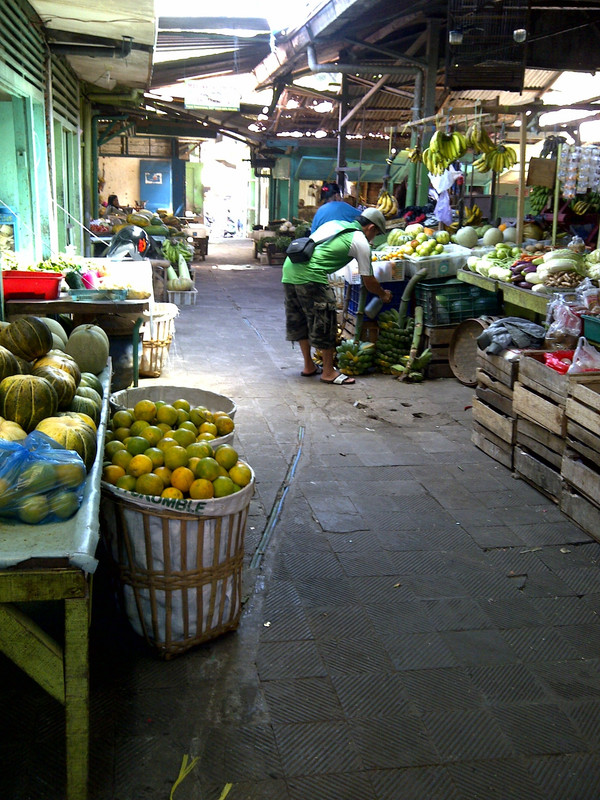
column 341, row 380
column 318, row 371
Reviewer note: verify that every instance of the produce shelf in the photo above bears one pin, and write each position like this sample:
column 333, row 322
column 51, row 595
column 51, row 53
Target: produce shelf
column 525, row 298
column 475, row 279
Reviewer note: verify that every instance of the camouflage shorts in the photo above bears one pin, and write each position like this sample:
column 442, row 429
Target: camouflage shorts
column 310, row 313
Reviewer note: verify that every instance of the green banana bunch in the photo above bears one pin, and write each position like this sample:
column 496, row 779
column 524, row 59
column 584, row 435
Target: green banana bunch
column 449, row 146
column 392, row 341
column 355, row 358
column 538, row 198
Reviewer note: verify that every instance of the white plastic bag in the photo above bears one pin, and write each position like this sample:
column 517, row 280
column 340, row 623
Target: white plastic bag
column 585, row 359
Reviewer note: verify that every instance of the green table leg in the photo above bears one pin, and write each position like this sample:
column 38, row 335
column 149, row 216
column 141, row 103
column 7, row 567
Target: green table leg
column 136, row 350
column 76, row 658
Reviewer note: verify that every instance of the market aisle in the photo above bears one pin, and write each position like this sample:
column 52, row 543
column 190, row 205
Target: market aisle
column 422, row 626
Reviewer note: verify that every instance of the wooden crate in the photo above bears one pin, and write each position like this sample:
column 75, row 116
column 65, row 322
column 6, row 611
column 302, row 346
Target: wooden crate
column 583, row 422
column 540, row 441
column 487, row 381
column 535, row 375
column 501, row 425
column 581, row 474
column 538, row 473
column 581, row 511
column 495, row 399
column 503, row 369
column 492, row 445
column 539, row 407
column 438, row 340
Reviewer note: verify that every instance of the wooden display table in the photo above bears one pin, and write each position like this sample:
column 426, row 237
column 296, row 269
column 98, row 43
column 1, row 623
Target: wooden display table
column 45, row 563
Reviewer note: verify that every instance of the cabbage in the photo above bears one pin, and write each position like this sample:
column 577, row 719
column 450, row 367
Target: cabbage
column 593, row 257
column 472, row 263
column 593, row 271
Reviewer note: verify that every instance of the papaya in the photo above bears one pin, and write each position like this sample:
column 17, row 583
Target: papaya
column 157, row 230
column 138, row 219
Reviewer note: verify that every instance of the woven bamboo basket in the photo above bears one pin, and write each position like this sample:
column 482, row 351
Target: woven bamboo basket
column 158, row 334
column 179, row 575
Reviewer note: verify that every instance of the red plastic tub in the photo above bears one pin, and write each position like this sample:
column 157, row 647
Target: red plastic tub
column 30, row 285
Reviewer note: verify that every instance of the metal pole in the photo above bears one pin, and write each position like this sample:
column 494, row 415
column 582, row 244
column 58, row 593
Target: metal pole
column 556, row 198
column 341, row 151
column 521, row 190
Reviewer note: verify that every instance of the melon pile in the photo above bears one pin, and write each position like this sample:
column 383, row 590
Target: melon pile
column 48, row 382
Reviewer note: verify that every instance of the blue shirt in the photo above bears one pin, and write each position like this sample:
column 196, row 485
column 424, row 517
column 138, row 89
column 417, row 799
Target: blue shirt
column 334, row 210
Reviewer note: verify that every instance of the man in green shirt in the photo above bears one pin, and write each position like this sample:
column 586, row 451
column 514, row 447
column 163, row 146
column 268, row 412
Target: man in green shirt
column 310, row 307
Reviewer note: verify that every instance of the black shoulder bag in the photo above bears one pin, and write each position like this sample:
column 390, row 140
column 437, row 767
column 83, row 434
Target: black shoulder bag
column 300, row 250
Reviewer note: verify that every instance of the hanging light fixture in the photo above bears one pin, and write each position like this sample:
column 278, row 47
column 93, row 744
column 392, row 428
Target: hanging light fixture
column 455, row 37
column 520, row 35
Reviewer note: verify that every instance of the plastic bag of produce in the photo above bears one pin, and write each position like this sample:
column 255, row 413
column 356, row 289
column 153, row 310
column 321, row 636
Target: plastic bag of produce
column 40, row 481
column 585, row 359
column 566, row 325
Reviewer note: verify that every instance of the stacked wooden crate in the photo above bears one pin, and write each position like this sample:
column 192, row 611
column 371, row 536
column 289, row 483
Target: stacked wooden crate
column 539, row 403
column 540, row 400
column 438, row 340
column 494, row 423
column 580, row 468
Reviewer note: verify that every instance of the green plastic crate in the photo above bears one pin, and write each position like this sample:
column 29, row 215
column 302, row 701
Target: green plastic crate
column 450, row 301
column 591, row 328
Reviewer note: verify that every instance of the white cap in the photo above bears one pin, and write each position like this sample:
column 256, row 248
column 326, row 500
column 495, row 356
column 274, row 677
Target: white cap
column 376, row 217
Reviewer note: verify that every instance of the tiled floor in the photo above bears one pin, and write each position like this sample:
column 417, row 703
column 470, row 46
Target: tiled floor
column 422, row 625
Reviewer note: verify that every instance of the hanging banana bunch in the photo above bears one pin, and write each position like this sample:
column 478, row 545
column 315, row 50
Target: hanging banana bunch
column 413, row 154
column 444, row 148
column 478, row 139
column 387, row 204
column 498, row 159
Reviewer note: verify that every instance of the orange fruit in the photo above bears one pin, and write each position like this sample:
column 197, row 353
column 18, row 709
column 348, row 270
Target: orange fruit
column 199, row 449
column 226, row 455
column 223, row 471
column 126, row 482
column 199, row 415
column 110, row 448
column 219, row 414
column 172, row 492
column 112, row 473
column 163, row 427
column 164, row 473
column 201, row 489
column 121, row 433
column 208, row 427
column 182, row 416
column 205, row 437
column 167, row 414
column 189, row 425
column 144, row 409
column 108, row 436
column 181, row 404
column 152, row 434
column 182, row 478
column 184, row 437
column 70, row 474
column 176, row 456
column 136, row 445
column 207, row 468
column 223, row 486
column 122, row 458
column 122, row 419
column 165, row 443
column 192, row 463
column 224, row 425
column 149, row 483
column 138, row 426
column 156, row 455
column 139, row 465
column 241, row 474
column 159, row 403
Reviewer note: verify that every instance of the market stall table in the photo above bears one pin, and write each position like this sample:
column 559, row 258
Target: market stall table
column 46, row 563
column 84, row 311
